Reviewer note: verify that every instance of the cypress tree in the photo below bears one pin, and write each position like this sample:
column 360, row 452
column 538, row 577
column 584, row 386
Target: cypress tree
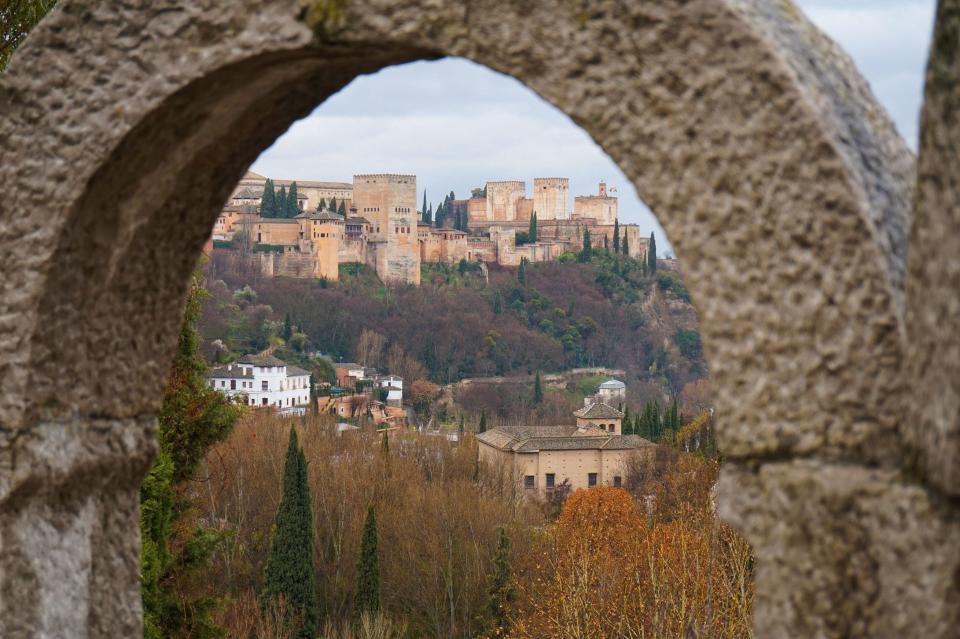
column 626, row 246
column 291, row 210
column 482, row 428
column 616, row 235
column 423, row 209
column 522, row 272
column 532, row 231
column 287, row 328
column 430, row 215
column 368, row 568
column 289, row 572
column 461, row 429
column 333, row 205
column 627, row 423
column 606, row 246
column 587, row 250
column 652, row 255
column 501, row 592
column 322, row 204
column 342, row 209
column 268, row 201
column 280, row 203
column 537, row 390
column 497, row 303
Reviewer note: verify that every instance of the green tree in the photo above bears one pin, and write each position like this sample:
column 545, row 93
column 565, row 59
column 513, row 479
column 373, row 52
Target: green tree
column 287, row 328
column 290, row 572
column 322, row 204
column 501, row 592
column 268, row 200
column 17, row 18
column 587, row 252
column 342, row 209
column 532, row 230
column 606, row 246
column 431, row 218
column 423, row 209
column 537, row 390
column 497, row 303
column 192, row 418
column 482, row 427
column 291, row 208
column 522, row 272
column 280, row 204
column 368, row 568
column 333, row 205
column 626, row 245
column 463, row 266
column 616, row 235
column 652, row 255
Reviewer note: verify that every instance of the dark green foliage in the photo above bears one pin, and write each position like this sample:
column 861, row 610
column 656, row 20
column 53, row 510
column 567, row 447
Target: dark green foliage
column 192, row 418
column 652, row 255
column 587, row 251
column 268, row 201
column 291, row 209
column 482, row 427
column 17, row 18
column 626, row 245
column 689, row 343
column 368, row 568
column 463, row 266
column 497, row 303
column 322, row 204
column 332, row 207
column 616, row 235
column 342, row 209
column 501, row 593
column 532, row 231
column 289, row 572
column 423, row 210
column 521, row 238
column 522, row 272
column 606, row 245
column 537, row 390
column 287, row 328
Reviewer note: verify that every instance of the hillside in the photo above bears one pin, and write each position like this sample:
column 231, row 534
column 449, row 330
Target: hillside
column 457, row 325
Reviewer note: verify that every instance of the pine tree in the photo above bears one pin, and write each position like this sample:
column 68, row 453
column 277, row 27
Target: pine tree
column 532, row 231
column 626, row 246
column 522, row 272
column 587, row 251
column 287, row 328
column 616, row 235
column 342, row 209
column 497, row 303
column 537, row 390
column 652, row 255
column 292, row 209
column 289, row 572
column 368, row 568
column 501, row 591
column 482, row 428
column 268, row 201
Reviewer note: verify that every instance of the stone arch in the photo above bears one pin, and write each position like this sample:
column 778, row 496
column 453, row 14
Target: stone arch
column 784, row 189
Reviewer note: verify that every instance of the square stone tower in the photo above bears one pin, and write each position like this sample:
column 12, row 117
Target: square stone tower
column 502, row 200
column 550, row 197
column 389, row 202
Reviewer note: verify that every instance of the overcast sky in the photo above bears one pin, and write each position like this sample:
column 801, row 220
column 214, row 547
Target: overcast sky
column 456, row 124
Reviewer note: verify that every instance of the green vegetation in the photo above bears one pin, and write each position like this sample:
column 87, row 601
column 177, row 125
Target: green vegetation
column 368, row 567
column 652, row 255
column 17, row 18
column 268, row 248
column 502, row 592
column 175, row 548
column 289, row 575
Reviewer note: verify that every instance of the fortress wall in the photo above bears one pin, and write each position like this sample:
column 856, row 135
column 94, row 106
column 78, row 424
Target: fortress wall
column 601, row 209
column 389, row 201
column 550, row 196
column 502, row 198
column 525, row 209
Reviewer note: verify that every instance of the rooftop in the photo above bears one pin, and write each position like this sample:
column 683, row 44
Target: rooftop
column 261, row 360
column 613, row 384
column 323, row 216
column 230, row 372
column 530, row 439
column 599, row 411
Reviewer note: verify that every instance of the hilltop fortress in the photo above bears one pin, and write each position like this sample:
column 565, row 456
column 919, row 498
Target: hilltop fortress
column 382, row 228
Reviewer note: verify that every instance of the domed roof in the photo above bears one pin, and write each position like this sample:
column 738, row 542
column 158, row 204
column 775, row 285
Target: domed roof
column 613, row 384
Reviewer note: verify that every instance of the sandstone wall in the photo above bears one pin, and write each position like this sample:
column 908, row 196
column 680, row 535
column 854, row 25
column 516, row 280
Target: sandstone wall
column 502, row 198
column 601, row 209
column 551, row 198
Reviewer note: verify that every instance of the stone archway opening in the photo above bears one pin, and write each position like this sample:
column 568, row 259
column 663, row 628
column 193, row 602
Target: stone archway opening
column 784, row 187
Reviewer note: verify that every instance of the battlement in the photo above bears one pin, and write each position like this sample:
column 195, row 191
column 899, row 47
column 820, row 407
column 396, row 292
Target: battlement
column 385, row 177
column 519, row 183
column 559, row 181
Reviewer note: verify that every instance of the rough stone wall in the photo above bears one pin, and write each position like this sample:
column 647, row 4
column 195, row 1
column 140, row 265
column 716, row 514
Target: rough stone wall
column 502, row 198
column 390, row 203
column 783, row 186
column 602, row 209
column 551, row 197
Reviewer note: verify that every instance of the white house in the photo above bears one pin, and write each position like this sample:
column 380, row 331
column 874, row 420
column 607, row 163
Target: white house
column 394, row 387
column 264, row 381
column 612, row 391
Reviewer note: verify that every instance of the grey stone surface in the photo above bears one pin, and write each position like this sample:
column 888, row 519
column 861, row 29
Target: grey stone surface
column 933, row 287
column 781, row 183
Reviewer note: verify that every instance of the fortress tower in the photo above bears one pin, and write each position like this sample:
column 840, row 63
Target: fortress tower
column 389, row 202
column 550, row 197
column 502, row 199
column 602, row 207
